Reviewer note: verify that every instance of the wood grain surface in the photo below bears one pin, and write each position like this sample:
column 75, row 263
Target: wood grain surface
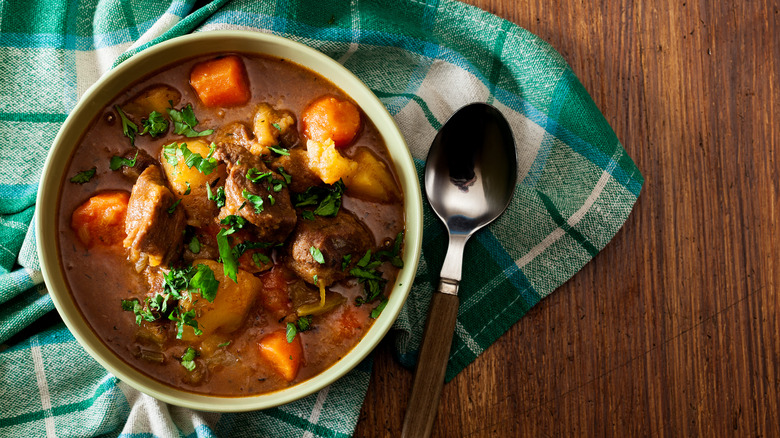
column 672, row 330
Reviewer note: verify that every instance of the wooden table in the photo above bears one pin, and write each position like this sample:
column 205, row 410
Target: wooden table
column 672, row 330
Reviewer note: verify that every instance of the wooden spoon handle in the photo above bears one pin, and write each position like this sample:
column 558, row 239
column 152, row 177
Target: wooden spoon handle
column 431, row 366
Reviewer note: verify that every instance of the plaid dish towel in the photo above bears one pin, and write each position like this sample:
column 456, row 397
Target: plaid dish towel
column 424, row 59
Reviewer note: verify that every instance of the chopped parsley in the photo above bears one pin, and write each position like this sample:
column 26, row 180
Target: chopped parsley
column 229, row 259
column 365, row 270
column 224, row 344
column 307, row 214
column 129, row 129
column 257, row 201
column 172, row 208
column 345, row 261
column 189, row 189
column 156, row 125
column 84, row 176
column 280, row 151
column 257, row 176
column 184, row 122
column 287, row 177
column 317, row 255
column 301, row 325
column 326, row 199
column 188, row 359
column 117, row 162
column 218, row 196
column 194, row 245
column 379, row 308
column 276, row 125
column 182, row 319
column 174, row 152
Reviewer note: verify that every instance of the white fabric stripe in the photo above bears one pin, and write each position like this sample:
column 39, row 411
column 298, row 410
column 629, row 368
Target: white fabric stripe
column 13, row 224
column 164, row 24
column 35, row 276
column 43, row 386
column 353, row 46
column 574, row 219
column 467, row 339
column 488, row 324
column 317, row 410
column 91, row 64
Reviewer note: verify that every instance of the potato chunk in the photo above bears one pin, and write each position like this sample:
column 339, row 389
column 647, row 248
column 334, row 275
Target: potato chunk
column 230, row 307
column 200, row 211
column 155, row 98
column 272, row 128
column 328, row 163
column 101, row 219
column 373, row 180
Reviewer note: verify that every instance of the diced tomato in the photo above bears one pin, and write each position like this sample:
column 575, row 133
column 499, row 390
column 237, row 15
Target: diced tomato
column 221, row 82
column 284, row 357
column 331, row 118
column 101, row 219
column 274, row 296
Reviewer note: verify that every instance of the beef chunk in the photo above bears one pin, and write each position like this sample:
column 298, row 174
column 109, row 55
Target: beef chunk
column 142, row 161
column 152, row 232
column 296, row 165
column 264, row 203
column 334, row 237
column 236, row 134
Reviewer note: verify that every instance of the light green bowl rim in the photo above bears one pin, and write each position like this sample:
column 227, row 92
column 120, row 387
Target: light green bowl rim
column 169, row 52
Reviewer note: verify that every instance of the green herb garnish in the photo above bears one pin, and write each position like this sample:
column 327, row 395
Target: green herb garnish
column 188, row 359
column 257, row 201
column 184, row 122
column 378, row 309
column 316, row 254
column 117, row 162
column 172, row 208
column 84, row 176
column 218, row 197
column 326, row 199
column 156, row 125
column 194, row 245
column 293, row 328
column 280, row 151
column 129, row 129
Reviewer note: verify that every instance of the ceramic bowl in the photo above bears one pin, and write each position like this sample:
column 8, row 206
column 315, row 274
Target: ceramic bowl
column 168, row 53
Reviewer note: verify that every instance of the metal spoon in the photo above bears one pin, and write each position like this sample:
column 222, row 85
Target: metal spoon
column 470, row 176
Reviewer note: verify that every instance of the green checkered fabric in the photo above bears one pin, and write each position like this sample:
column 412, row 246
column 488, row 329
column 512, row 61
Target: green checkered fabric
column 424, row 59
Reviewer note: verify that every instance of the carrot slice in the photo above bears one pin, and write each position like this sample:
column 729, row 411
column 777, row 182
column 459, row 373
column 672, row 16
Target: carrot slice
column 101, row 219
column 221, row 82
column 331, row 118
column 284, row 357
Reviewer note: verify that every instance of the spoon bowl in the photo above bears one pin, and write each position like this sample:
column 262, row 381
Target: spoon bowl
column 471, row 169
column 470, row 177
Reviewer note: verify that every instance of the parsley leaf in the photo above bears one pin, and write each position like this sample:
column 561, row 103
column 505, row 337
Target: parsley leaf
column 129, row 129
column 188, row 359
column 326, row 199
column 378, row 309
column 117, row 162
column 257, row 201
column 156, row 125
column 317, row 255
column 280, row 151
column 224, row 344
column 276, row 125
column 256, row 176
column 173, row 152
column 194, row 245
column 307, row 214
column 293, row 328
column 184, row 122
column 189, row 189
column 172, row 208
column 218, row 197
column 205, row 282
column 83, row 176
column 184, row 318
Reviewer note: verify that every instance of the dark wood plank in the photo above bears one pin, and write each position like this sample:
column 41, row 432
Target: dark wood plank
column 672, row 330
